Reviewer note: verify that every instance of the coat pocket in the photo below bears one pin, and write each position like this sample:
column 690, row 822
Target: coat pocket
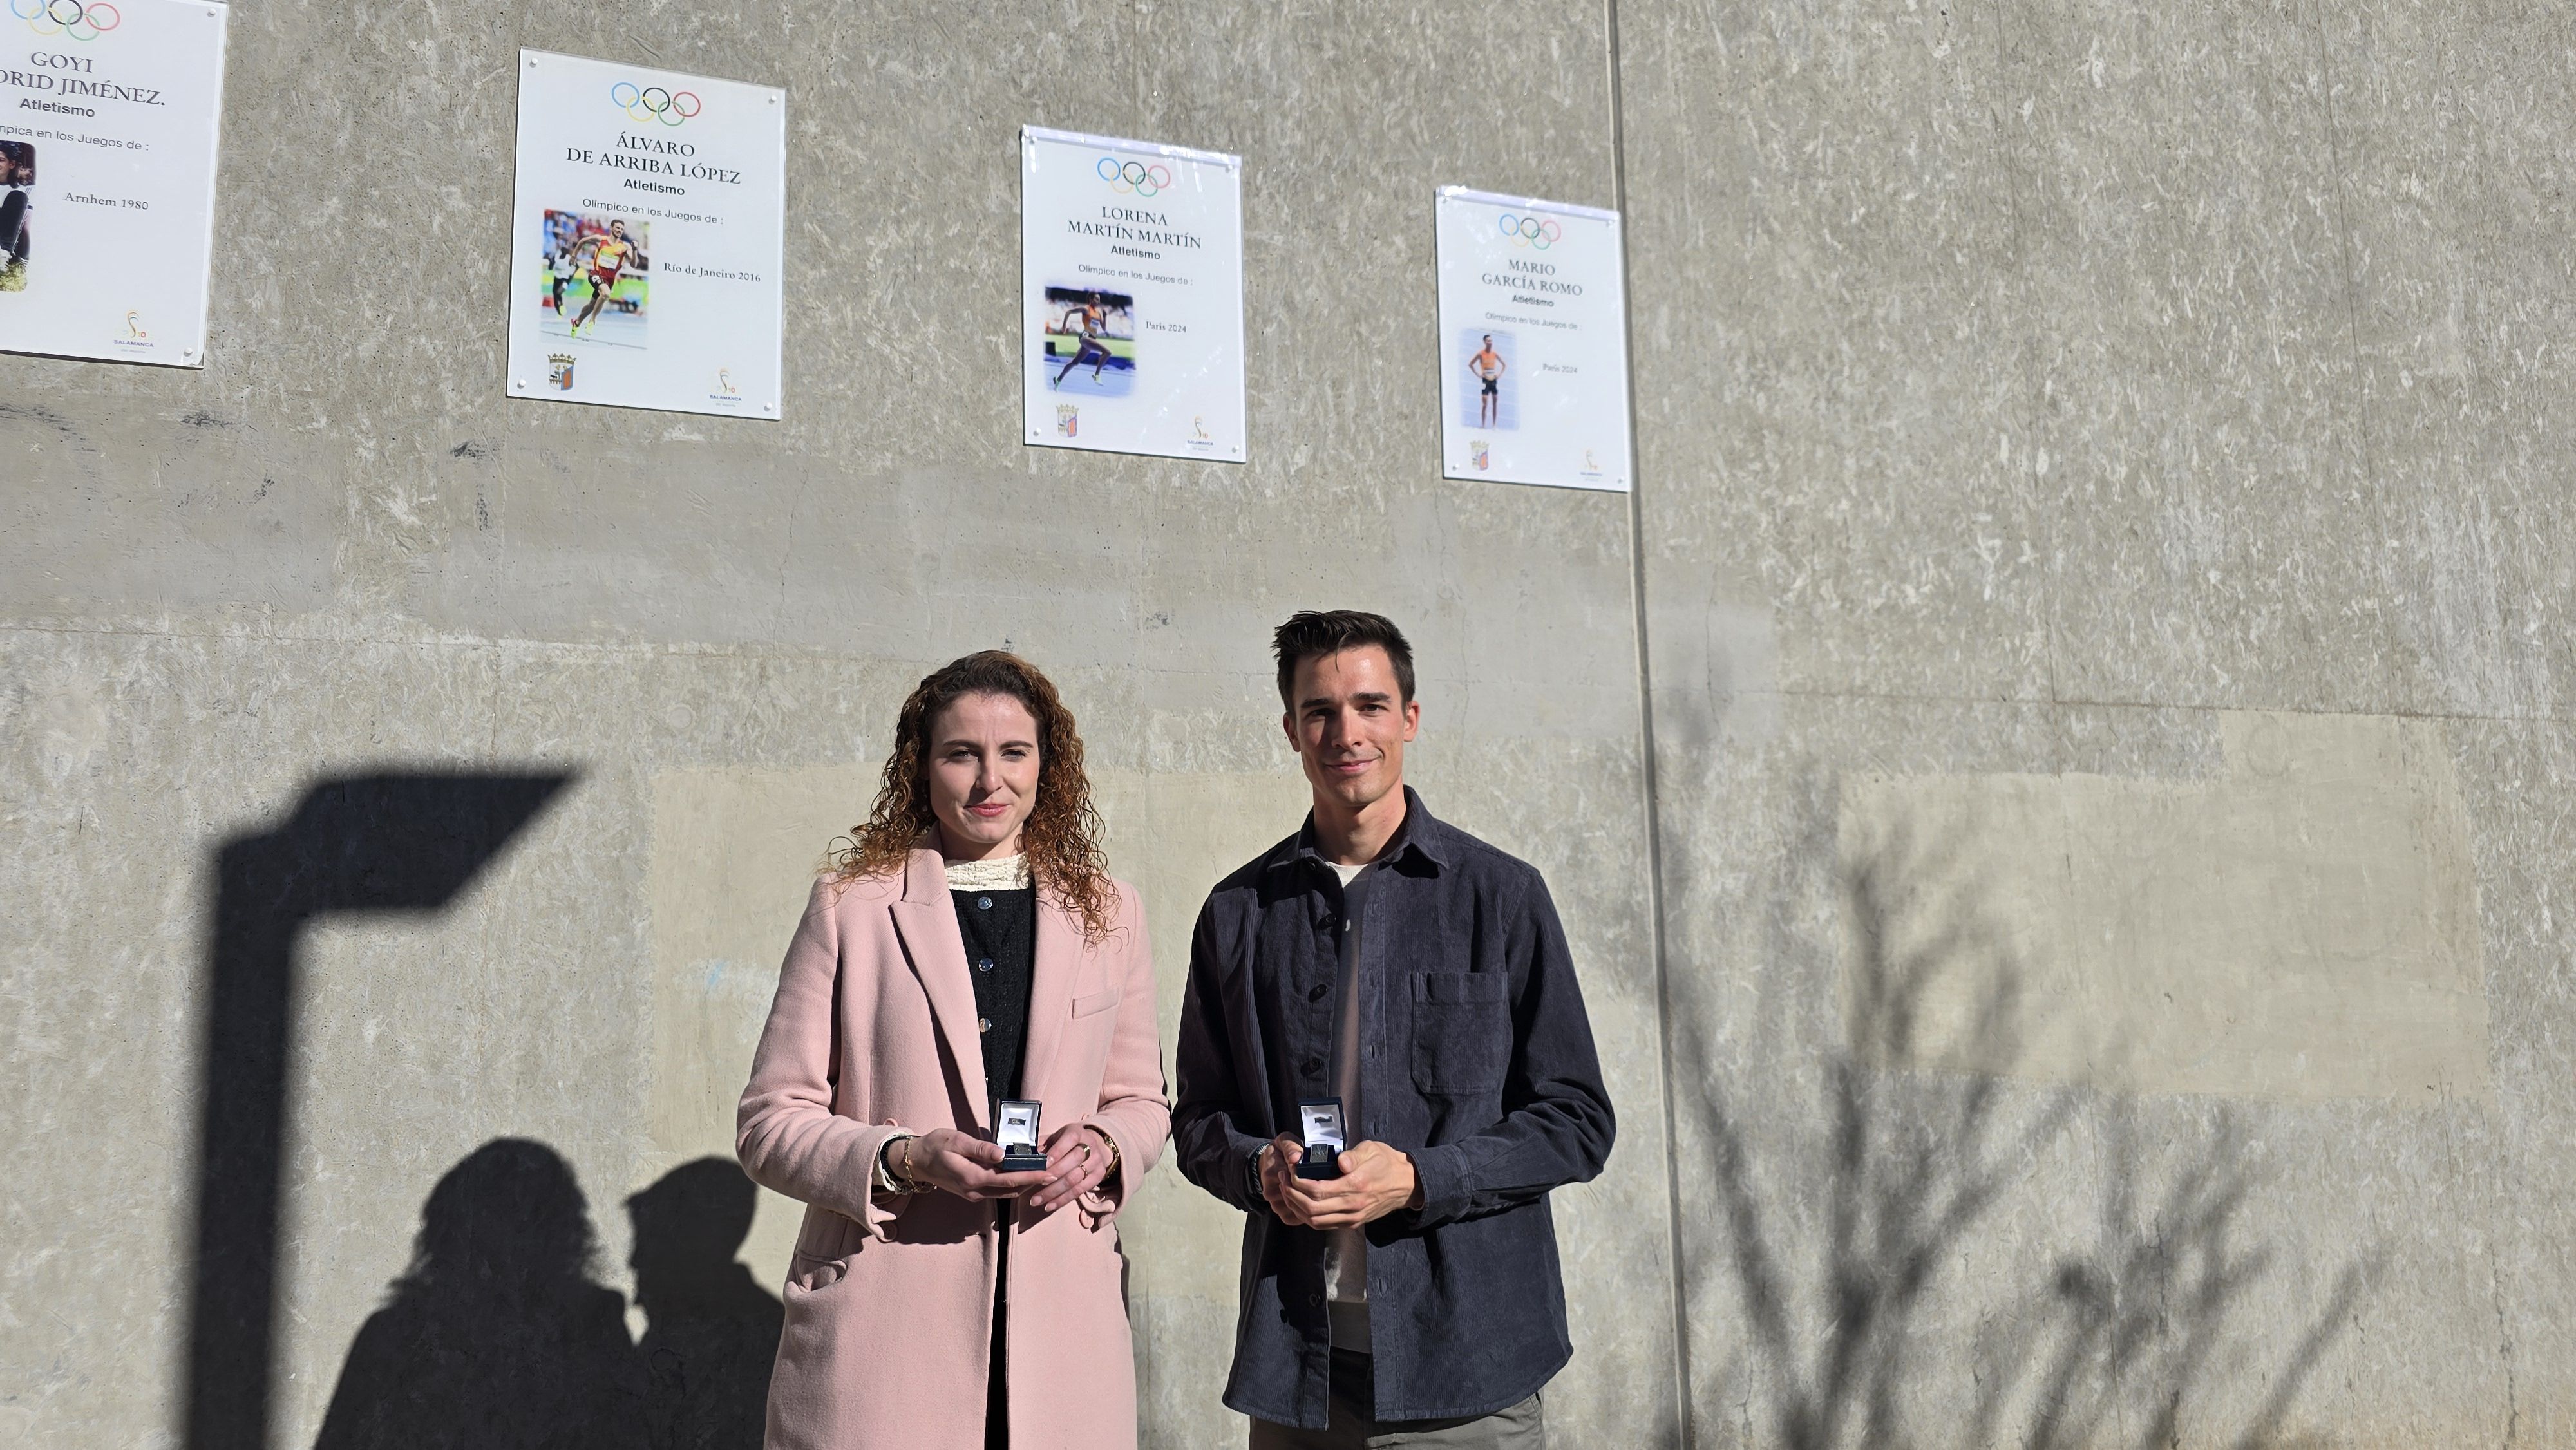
column 827, row 1236
column 1096, row 1003
column 1462, row 1031
column 807, row 1274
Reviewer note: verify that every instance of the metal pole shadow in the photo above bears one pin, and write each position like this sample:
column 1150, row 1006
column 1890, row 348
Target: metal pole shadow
column 394, row 842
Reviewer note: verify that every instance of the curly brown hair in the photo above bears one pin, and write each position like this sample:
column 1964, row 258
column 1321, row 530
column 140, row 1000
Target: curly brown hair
column 1062, row 833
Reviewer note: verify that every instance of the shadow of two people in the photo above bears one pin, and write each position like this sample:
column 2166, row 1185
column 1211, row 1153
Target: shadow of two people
column 498, row 1336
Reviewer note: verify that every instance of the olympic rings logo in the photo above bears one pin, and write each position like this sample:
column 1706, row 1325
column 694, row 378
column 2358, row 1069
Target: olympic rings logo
column 1144, row 178
column 642, row 104
column 1530, row 231
column 68, row 17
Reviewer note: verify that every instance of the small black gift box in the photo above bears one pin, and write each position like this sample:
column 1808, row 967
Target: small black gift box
column 1319, row 1120
column 1015, row 1127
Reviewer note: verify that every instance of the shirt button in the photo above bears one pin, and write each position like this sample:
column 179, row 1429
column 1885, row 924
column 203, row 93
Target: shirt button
column 1316, row 1299
column 1329, row 922
column 984, row 965
column 983, row 903
column 983, row 1024
column 1316, row 992
column 1313, row 1065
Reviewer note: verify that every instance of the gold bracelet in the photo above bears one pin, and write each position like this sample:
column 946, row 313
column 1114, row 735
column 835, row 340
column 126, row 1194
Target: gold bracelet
column 1103, row 1135
column 904, row 1181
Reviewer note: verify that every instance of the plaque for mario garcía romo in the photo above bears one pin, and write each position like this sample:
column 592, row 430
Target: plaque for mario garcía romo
column 1533, row 341
column 646, row 238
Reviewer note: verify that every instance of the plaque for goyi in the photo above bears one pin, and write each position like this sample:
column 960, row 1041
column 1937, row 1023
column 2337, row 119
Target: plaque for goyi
column 110, row 126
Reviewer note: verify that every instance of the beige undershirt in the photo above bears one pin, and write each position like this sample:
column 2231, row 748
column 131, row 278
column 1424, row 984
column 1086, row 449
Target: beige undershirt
column 1346, row 1249
column 1001, row 873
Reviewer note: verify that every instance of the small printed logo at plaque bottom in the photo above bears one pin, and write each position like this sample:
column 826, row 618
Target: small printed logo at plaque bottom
column 559, row 371
column 1068, row 420
column 1480, row 457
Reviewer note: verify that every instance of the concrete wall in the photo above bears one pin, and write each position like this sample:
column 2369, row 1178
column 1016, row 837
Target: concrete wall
column 2105, row 588
column 2109, row 569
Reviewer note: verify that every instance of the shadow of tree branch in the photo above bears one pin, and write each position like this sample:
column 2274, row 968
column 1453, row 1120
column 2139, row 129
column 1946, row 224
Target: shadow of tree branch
column 1846, row 1244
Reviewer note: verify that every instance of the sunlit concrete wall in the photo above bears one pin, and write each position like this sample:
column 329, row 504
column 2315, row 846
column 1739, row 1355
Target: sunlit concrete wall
column 2106, row 582
column 2110, row 563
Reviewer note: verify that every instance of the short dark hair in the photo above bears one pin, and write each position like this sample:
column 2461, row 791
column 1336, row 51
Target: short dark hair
column 1313, row 632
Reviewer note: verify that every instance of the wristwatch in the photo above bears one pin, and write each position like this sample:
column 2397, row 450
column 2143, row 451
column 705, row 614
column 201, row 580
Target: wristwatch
column 1102, row 1134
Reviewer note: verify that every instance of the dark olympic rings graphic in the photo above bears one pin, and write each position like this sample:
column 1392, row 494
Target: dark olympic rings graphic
column 68, row 17
column 646, row 104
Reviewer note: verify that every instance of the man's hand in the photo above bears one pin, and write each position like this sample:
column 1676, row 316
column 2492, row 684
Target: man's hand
column 1279, row 1160
column 1375, row 1180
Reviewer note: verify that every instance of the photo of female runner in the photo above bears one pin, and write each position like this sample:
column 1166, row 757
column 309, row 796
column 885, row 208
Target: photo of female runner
column 1088, row 346
column 1086, row 341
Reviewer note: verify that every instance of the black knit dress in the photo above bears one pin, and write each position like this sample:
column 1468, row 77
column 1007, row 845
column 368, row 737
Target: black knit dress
column 1000, row 931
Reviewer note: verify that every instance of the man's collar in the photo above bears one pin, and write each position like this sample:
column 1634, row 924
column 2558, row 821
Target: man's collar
column 1420, row 835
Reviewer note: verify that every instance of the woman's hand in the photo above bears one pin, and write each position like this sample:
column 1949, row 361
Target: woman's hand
column 952, row 1162
column 1077, row 1161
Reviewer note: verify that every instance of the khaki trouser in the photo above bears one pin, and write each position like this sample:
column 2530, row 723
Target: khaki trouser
column 1522, row 1427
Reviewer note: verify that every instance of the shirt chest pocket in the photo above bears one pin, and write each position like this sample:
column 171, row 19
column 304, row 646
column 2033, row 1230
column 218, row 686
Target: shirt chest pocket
column 1462, row 1031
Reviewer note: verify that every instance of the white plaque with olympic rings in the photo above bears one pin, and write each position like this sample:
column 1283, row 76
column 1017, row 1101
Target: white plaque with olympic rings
column 111, row 118
column 646, row 238
column 1533, row 342
column 1131, row 265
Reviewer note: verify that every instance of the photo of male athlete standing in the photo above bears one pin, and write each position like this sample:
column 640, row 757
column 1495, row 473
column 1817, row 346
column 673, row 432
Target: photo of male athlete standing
column 1488, row 367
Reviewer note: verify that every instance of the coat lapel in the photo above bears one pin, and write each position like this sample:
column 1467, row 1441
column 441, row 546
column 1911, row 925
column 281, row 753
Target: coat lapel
column 1051, row 977
column 927, row 921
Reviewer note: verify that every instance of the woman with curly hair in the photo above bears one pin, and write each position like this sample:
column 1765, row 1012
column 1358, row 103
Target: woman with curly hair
column 967, row 948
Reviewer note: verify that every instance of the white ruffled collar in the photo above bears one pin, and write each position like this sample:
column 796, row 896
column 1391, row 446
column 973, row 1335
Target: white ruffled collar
column 1003, row 873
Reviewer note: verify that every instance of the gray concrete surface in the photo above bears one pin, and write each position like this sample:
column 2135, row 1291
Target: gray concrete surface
column 2072, row 434
column 2106, row 580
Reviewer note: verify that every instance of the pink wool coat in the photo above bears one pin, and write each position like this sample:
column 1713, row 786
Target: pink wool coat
column 890, row 1299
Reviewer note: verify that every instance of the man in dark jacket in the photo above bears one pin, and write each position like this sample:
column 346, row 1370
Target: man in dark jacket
column 1419, row 976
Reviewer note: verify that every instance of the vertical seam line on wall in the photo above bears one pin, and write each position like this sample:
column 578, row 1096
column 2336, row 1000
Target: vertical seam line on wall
column 1674, row 1278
